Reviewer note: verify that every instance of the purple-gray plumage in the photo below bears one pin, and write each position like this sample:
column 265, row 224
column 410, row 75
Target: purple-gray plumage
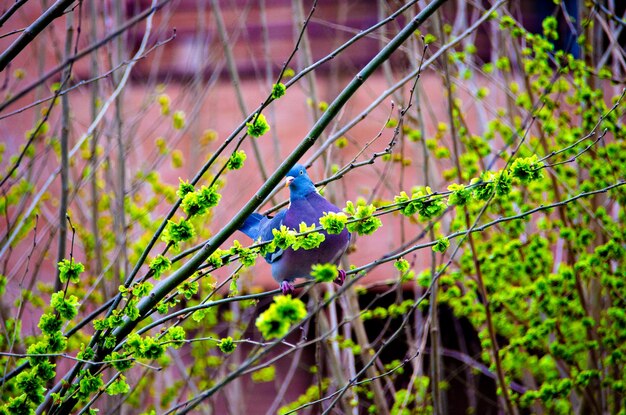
column 308, row 206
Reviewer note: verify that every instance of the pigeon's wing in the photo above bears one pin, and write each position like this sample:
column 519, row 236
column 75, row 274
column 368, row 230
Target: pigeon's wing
column 270, row 224
column 253, row 225
column 259, row 227
column 266, row 234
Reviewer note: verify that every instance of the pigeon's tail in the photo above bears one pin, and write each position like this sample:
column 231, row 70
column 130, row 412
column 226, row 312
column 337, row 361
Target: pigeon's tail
column 252, row 225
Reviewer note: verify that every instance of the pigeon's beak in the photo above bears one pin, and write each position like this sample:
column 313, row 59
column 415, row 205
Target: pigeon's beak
column 288, row 180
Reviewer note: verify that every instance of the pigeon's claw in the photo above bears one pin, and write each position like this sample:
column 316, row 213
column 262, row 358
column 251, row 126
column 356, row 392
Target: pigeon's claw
column 286, row 287
column 341, row 278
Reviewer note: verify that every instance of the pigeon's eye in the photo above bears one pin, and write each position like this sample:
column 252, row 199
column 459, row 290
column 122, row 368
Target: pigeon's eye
column 301, row 172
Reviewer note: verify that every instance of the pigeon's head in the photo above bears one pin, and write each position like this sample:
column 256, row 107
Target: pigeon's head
column 299, row 182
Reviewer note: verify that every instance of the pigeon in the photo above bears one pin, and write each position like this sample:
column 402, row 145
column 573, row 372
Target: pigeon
column 308, row 206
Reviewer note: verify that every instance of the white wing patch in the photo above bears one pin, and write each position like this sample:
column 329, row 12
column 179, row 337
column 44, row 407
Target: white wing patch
column 274, row 256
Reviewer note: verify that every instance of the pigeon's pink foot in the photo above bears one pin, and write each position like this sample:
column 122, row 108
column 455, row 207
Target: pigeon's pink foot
column 341, row 278
column 286, row 287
